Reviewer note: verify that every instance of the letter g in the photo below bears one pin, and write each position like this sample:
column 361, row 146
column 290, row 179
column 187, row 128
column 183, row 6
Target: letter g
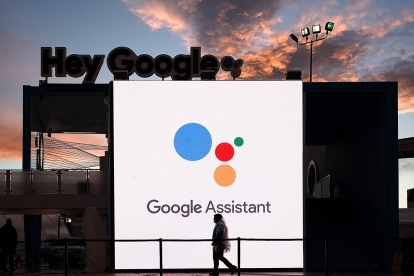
column 157, row 208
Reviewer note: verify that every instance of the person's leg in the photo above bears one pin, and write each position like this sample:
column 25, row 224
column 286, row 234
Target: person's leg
column 224, row 260
column 3, row 260
column 216, row 264
column 11, row 260
column 216, row 260
column 232, row 267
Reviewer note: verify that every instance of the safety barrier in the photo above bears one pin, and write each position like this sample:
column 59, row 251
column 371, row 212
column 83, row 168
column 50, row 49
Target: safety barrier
column 326, row 241
column 17, row 182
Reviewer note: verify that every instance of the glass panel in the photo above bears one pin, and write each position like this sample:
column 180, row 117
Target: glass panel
column 20, row 182
column 2, row 182
column 74, row 182
column 44, row 182
column 98, row 182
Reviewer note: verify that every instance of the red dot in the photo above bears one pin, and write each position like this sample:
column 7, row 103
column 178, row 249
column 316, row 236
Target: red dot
column 224, row 152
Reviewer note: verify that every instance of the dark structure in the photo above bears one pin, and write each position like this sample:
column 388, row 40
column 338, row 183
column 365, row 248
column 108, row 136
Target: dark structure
column 56, row 108
column 350, row 133
column 60, row 108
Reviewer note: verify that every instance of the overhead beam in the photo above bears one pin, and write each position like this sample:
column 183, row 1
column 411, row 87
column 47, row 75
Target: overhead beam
column 406, row 148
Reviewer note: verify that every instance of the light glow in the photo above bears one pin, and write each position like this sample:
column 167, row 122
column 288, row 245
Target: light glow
column 305, row 32
column 329, row 26
column 316, row 29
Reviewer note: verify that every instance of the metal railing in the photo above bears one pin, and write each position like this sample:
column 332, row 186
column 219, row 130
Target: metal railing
column 16, row 182
column 326, row 254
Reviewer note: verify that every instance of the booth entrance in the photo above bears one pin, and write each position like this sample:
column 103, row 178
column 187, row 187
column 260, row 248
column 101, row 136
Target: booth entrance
column 350, row 132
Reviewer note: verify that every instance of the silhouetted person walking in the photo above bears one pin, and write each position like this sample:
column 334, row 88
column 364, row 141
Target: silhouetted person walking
column 220, row 231
column 8, row 242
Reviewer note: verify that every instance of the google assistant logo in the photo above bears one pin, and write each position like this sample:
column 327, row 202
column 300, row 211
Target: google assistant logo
column 193, row 142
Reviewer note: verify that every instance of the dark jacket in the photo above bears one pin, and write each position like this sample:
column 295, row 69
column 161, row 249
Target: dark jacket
column 218, row 234
column 8, row 238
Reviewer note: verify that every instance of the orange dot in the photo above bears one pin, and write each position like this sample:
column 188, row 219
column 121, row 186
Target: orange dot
column 224, row 175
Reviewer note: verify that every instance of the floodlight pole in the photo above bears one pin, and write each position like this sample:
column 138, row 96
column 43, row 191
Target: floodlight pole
column 311, row 49
column 310, row 77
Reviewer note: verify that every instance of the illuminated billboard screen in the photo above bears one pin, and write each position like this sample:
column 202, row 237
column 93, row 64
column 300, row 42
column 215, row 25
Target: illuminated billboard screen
column 183, row 151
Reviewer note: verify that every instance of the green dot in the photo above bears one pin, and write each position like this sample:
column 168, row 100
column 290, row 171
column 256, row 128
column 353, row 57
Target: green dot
column 239, row 141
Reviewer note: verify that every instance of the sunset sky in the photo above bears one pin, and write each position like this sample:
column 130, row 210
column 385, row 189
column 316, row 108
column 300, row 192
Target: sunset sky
column 372, row 41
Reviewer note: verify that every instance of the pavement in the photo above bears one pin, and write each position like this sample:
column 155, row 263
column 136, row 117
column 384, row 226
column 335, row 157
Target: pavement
column 44, row 270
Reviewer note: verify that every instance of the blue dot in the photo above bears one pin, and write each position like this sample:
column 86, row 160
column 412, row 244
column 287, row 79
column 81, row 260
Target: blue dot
column 228, row 62
column 192, row 141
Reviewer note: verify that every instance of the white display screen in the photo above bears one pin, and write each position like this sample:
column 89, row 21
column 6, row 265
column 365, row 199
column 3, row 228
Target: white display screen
column 185, row 150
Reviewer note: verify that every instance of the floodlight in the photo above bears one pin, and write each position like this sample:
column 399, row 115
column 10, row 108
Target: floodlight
column 316, row 29
column 294, row 37
column 329, row 26
column 305, row 32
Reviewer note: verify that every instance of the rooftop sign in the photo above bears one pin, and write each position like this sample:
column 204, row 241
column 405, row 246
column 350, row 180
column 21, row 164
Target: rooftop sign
column 180, row 67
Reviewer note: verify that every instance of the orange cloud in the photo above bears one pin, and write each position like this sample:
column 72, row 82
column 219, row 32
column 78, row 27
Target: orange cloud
column 10, row 133
column 157, row 15
column 408, row 15
column 10, row 141
column 405, row 96
column 349, row 56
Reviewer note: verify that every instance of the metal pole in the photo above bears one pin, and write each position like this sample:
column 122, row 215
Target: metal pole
column 380, row 256
column 87, row 181
column 58, row 226
column 66, row 256
column 160, row 244
column 326, row 255
column 27, row 127
column 238, row 256
column 409, row 255
column 42, row 151
column 311, row 61
column 59, row 180
column 8, row 182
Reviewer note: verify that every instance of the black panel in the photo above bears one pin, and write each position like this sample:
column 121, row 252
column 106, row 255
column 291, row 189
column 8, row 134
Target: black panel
column 78, row 108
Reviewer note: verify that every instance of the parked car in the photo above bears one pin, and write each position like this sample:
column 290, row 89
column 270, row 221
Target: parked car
column 76, row 252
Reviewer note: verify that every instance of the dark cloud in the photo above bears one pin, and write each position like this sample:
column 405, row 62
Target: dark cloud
column 234, row 22
column 211, row 24
column 396, row 69
column 367, row 43
column 336, row 58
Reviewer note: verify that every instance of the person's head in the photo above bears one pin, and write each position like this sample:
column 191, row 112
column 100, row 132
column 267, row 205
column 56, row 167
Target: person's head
column 9, row 221
column 217, row 217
